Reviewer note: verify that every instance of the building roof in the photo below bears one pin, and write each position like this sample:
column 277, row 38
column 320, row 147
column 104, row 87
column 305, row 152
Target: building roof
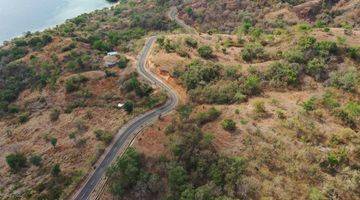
column 112, row 53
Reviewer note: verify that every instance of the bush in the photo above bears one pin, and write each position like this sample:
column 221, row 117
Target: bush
column 354, row 52
column 103, row 136
column 53, row 141
column 326, row 48
column 315, row 68
column 228, row 125
column 329, row 101
column 197, row 73
column 72, row 84
column 347, row 81
column 309, row 105
column 36, row 160
column 259, row 108
column 294, row 56
column 252, row 51
column 123, row 62
column 208, row 116
column 24, row 117
column 283, row 74
column 55, row 170
column 222, row 92
column 191, row 42
column 129, row 106
column 252, row 85
column 16, row 161
column 205, row 52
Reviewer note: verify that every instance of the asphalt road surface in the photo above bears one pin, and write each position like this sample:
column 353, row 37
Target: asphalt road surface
column 132, row 127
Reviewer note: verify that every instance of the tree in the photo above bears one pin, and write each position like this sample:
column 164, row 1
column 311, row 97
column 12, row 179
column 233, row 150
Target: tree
column 129, row 106
column 177, row 179
column 55, row 170
column 53, row 141
column 205, row 52
column 228, row 124
column 16, row 161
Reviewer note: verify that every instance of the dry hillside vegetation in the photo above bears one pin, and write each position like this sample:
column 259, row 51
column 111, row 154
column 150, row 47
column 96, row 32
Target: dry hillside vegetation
column 271, row 113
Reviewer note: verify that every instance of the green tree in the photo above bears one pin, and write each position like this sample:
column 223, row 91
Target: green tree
column 177, row 179
column 16, row 161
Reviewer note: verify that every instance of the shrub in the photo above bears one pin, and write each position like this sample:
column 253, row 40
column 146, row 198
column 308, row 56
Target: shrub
column 205, row 52
column 283, row 74
column 309, row 105
column 16, row 161
column 72, row 84
column 123, row 62
column 222, row 92
column 306, row 43
column 36, row 160
column 103, row 136
column 347, row 81
column 54, row 115
column 329, row 101
column 129, row 106
column 208, row 116
column 55, row 170
column 354, row 52
column 259, row 108
column 326, row 48
column 197, row 73
column 24, row 117
column 228, row 125
column 191, row 42
column 53, row 141
column 169, row 129
column 315, row 68
column 294, row 56
column 252, row 85
column 252, row 51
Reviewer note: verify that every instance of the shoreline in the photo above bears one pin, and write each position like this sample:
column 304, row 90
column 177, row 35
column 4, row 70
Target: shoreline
column 42, row 29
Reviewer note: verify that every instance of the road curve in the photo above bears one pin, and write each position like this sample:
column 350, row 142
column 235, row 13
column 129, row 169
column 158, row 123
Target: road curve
column 173, row 15
column 131, row 128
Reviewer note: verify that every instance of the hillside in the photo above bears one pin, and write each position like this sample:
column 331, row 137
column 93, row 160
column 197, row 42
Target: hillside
column 269, row 102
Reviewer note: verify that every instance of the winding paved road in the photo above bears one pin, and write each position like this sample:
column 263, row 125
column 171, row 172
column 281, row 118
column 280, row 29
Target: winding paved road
column 131, row 128
column 173, row 14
